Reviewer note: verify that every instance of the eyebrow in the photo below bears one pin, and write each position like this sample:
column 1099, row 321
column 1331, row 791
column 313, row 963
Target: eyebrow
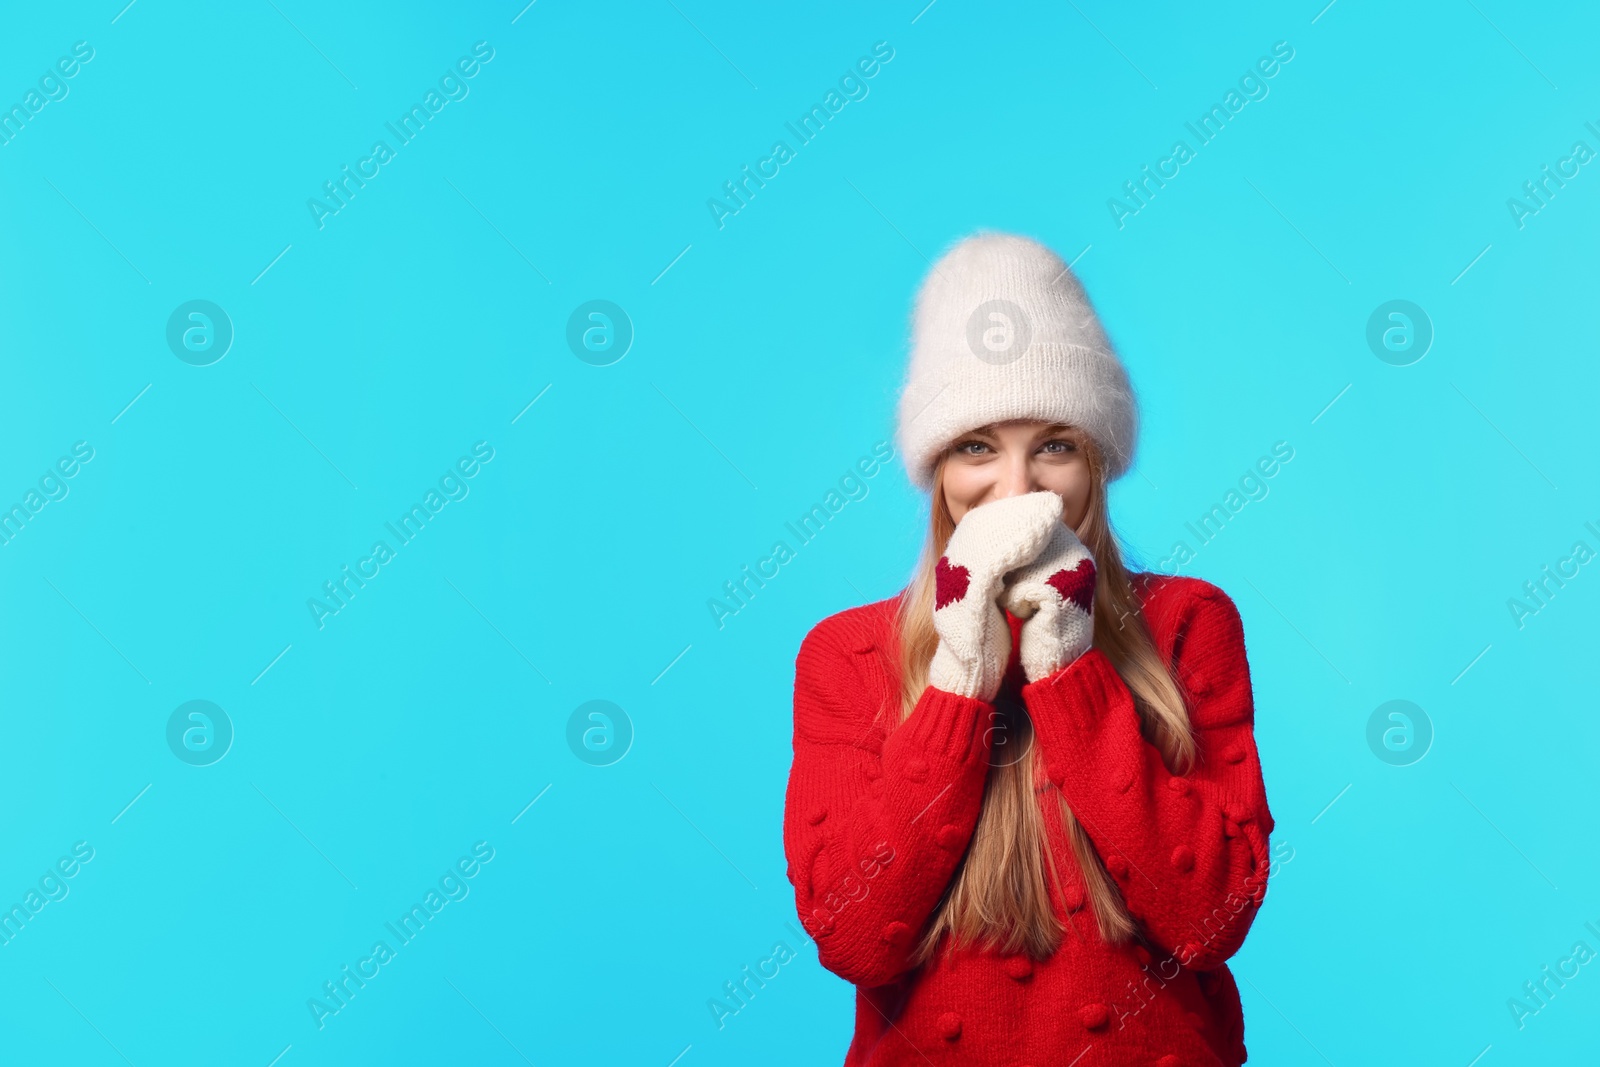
column 1048, row 431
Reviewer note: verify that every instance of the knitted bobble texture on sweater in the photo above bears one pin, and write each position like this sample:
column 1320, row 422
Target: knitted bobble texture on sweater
column 878, row 817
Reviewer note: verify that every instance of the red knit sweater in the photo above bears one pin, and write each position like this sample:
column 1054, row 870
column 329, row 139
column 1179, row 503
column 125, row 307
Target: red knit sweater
column 875, row 826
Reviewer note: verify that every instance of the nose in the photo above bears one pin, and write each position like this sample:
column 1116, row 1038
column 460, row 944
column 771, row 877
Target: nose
column 1016, row 477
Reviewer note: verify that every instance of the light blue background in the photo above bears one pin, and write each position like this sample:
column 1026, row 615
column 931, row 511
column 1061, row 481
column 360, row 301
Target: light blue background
column 428, row 313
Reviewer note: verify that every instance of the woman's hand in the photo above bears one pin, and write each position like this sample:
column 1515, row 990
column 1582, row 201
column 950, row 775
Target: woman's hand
column 1055, row 595
column 989, row 541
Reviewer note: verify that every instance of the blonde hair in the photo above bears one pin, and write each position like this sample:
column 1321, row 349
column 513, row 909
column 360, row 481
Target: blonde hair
column 998, row 895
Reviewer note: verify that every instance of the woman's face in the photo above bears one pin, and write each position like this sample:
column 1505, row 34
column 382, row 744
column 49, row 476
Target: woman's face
column 1014, row 458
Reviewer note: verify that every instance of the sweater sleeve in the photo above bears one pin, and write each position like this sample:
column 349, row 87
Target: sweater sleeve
column 874, row 827
column 1189, row 853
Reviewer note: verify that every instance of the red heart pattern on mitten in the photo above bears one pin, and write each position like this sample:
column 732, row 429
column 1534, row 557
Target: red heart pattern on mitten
column 1076, row 585
column 949, row 582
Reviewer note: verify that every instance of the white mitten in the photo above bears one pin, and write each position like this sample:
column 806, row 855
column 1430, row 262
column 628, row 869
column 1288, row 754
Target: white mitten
column 1055, row 596
column 989, row 541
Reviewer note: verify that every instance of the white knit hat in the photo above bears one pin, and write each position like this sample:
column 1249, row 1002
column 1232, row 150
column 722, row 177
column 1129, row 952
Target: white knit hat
column 1002, row 329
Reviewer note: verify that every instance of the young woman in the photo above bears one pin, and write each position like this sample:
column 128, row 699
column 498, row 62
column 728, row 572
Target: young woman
column 1026, row 816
